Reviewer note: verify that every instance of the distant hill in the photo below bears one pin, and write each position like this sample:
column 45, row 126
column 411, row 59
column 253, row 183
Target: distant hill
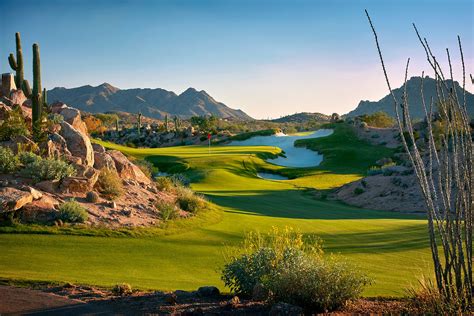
column 155, row 103
column 414, row 99
column 302, row 118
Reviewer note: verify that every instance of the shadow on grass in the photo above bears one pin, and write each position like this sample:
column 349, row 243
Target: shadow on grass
column 294, row 204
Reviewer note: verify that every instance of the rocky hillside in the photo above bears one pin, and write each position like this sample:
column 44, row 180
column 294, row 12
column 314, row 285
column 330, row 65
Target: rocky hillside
column 155, row 103
column 303, row 117
column 414, row 99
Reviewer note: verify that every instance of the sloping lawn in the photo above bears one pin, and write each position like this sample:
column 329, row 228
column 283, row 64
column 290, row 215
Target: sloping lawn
column 390, row 247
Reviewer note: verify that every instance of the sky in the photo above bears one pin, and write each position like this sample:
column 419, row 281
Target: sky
column 268, row 58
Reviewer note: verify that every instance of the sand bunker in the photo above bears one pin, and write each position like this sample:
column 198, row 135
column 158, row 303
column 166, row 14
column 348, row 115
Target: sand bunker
column 295, row 157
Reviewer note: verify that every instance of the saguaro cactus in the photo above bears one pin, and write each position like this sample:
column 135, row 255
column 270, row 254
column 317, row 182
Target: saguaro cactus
column 176, row 123
column 45, row 98
column 36, row 96
column 17, row 64
column 139, row 122
column 166, row 123
column 117, row 127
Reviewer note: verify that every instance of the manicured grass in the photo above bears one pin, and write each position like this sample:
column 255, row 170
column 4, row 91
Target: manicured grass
column 390, row 247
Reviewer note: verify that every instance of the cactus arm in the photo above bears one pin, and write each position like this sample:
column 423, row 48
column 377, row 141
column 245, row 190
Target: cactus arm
column 27, row 89
column 37, row 100
column 45, row 98
column 12, row 62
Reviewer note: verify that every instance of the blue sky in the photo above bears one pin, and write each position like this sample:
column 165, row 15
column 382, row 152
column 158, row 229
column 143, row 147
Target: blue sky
column 269, row 58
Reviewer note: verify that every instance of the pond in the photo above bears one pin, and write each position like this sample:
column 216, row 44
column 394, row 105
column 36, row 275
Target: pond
column 297, row 157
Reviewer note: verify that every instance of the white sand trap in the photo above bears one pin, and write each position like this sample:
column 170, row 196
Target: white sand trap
column 295, row 157
column 271, row 176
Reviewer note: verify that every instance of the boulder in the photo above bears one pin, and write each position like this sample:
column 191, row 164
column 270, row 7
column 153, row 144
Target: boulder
column 98, row 148
column 49, row 186
column 8, row 84
column 78, row 143
column 34, row 193
column 103, row 160
column 208, row 291
column 76, row 185
column 87, row 172
column 17, row 97
column 12, row 199
column 55, row 147
column 42, row 211
column 73, row 117
column 57, row 107
column 126, row 169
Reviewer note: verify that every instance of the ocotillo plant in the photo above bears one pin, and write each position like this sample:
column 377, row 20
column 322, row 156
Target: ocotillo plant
column 166, row 123
column 17, row 64
column 36, row 96
column 139, row 122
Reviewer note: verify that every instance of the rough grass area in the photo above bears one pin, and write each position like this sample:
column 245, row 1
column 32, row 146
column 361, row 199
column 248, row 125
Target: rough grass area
column 390, row 247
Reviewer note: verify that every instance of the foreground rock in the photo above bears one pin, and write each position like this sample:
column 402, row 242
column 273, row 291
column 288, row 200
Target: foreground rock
column 77, row 143
column 126, row 169
column 12, row 199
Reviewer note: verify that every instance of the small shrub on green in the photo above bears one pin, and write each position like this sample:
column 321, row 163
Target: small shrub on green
column 72, row 212
column 358, row 191
column 109, row 184
column 189, row 201
column 167, row 210
column 92, row 197
column 8, row 161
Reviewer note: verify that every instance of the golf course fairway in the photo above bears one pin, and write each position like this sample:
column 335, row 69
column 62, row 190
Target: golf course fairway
column 390, row 247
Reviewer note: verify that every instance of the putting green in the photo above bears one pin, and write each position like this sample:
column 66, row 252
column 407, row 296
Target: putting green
column 390, row 247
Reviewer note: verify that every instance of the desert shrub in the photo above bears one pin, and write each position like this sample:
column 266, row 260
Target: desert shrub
column 427, row 300
column 122, row 289
column 167, row 210
column 40, row 169
column 109, row 184
column 358, row 191
column 164, row 184
column 92, row 197
column 27, row 157
column 190, row 201
column 292, row 269
column 13, row 125
column 8, row 161
column 378, row 119
column 72, row 212
column 180, row 179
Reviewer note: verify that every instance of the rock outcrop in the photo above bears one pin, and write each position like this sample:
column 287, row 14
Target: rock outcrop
column 78, row 144
column 126, row 169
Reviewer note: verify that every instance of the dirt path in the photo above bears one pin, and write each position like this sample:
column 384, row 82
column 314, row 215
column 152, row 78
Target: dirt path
column 15, row 300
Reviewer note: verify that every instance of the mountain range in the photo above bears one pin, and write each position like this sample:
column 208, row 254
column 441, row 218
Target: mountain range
column 414, row 99
column 155, row 103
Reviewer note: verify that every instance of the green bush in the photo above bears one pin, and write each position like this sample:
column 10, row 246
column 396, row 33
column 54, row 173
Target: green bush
column 167, row 210
column 180, row 179
column 40, row 169
column 27, row 157
column 294, row 270
column 378, row 119
column 72, row 212
column 358, row 191
column 109, row 184
column 190, row 201
column 13, row 125
column 8, row 161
